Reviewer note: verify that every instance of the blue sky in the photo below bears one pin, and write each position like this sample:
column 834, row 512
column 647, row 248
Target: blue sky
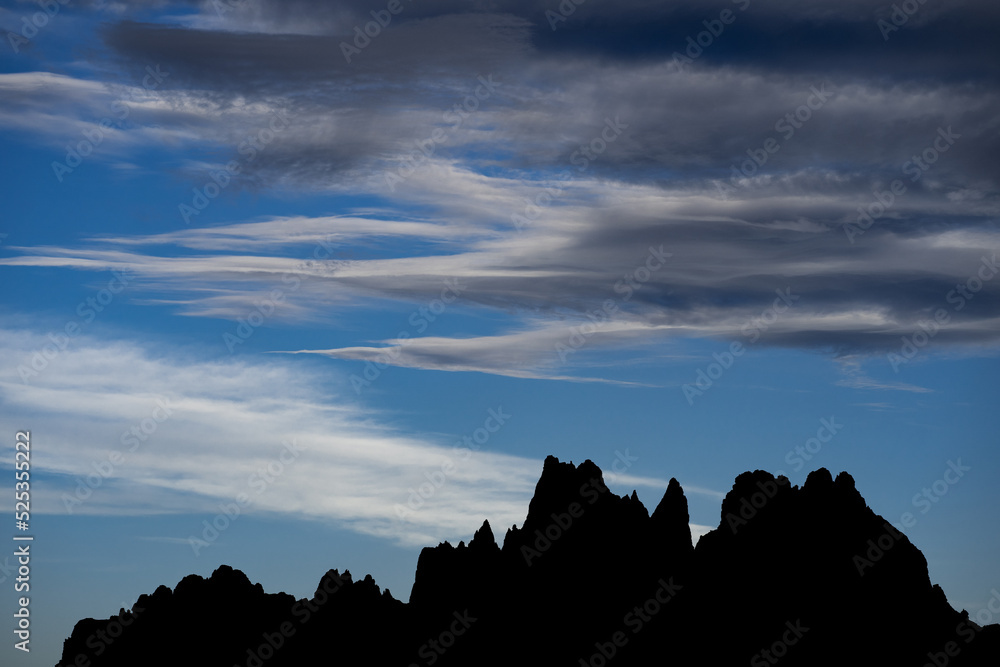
column 363, row 300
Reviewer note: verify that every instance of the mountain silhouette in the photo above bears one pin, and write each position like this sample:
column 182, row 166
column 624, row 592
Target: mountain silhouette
column 793, row 575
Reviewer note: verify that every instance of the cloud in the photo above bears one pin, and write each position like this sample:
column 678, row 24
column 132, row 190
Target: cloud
column 533, row 354
column 177, row 434
column 546, row 192
column 324, row 234
column 170, row 433
column 617, row 267
column 851, row 366
column 632, row 481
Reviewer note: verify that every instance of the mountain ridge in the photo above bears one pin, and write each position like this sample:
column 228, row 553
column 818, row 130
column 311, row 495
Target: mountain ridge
column 582, row 581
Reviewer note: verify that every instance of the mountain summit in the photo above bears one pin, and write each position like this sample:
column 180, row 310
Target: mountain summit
column 793, row 575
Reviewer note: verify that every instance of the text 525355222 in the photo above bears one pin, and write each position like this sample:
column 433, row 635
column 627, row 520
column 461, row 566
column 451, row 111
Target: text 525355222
column 22, row 515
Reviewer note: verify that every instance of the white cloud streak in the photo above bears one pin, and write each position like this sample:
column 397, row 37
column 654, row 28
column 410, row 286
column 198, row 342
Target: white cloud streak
column 226, row 428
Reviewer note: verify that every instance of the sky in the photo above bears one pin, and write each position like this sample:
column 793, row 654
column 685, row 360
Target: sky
column 300, row 285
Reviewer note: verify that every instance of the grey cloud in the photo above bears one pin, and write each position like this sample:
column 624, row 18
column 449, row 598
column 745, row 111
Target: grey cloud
column 665, row 179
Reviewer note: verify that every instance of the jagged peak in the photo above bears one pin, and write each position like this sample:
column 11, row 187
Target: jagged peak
column 554, row 470
column 510, row 536
column 671, row 519
column 561, row 483
column 552, row 465
column 750, row 486
column 228, row 574
column 590, row 469
column 819, row 479
column 484, row 538
column 673, row 499
column 747, row 481
column 847, row 489
column 845, row 481
column 333, row 576
column 821, row 482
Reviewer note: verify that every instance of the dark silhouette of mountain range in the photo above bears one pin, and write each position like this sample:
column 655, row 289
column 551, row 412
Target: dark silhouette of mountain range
column 792, row 576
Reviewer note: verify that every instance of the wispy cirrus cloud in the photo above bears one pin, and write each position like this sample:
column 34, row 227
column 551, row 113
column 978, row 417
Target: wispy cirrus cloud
column 716, row 271
column 206, row 428
column 181, row 434
column 856, row 378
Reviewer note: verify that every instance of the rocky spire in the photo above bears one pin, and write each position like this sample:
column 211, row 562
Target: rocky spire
column 671, row 521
